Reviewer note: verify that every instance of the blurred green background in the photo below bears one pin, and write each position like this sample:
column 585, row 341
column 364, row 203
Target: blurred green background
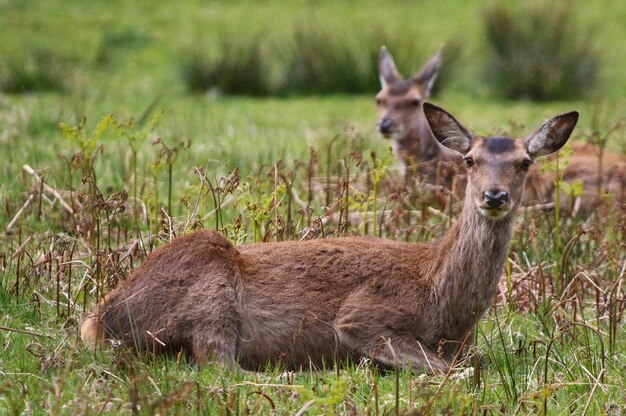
column 250, row 83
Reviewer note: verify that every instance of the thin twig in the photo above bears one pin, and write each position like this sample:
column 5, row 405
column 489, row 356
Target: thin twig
column 19, row 213
column 297, row 199
column 49, row 189
column 548, row 206
column 170, row 227
column 593, row 390
column 252, row 384
column 306, row 407
column 153, row 335
column 448, row 374
column 223, row 204
column 20, row 249
column 438, row 213
column 131, row 250
column 25, row 331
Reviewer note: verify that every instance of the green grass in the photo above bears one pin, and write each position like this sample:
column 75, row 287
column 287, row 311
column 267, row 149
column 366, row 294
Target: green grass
column 542, row 348
column 547, row 55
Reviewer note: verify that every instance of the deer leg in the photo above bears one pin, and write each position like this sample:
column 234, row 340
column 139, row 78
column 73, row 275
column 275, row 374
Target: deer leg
column 393, row 350
column 212, row 345
column 214, row 320
column 407, row 352
column 378, row 330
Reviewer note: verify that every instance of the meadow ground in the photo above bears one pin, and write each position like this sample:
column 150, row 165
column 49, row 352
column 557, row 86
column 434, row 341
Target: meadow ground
column 168, row 161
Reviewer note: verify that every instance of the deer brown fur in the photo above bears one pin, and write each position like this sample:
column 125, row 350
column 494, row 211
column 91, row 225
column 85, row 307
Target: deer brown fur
column 310, row 302
column 603, row 178
column 417, row 151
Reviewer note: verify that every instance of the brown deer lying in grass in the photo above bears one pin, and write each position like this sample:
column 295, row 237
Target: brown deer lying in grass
column 603, row 180
column 317, row 301
column 402, row 119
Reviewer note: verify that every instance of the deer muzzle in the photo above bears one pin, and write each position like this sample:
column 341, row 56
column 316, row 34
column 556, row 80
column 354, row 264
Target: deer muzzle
column 385, row 126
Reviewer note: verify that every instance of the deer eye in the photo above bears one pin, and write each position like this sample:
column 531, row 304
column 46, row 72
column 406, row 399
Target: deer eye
column 415, row 102
column 526, row 163
column 469, row 162
column 380, row 101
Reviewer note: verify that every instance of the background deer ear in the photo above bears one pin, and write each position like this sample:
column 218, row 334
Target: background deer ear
column 427, row 76
column 387, row 71
column 447, row 130
column 552, row 135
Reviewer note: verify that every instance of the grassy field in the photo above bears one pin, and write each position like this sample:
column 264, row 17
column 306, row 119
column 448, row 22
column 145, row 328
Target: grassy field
column 151, row 161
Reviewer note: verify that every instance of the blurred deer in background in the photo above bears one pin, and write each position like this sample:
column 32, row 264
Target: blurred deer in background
column 401, row 119
column 602, row 176
column 316, row 302
column 418, row 153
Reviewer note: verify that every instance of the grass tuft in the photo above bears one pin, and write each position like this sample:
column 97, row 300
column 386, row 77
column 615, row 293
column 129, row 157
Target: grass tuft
column 40, row 70
column 539, row 51
column 241, row 68
column 114, row 41
column 329, row 60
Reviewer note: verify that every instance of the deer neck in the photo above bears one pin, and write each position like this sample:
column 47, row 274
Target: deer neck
column 419, row 147
column 419, row 144
column 470, row 262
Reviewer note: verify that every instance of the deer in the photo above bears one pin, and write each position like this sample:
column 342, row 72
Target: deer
column 402, row 120
column 404, row 305
column 601, row 174
column 418, row 153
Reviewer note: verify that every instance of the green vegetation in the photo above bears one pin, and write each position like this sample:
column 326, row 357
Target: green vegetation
column 543, row 56
column 41, row 70
column 151, row 161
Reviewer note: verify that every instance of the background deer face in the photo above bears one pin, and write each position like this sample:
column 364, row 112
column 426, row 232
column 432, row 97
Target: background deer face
column 497, row 166
column 399, row 100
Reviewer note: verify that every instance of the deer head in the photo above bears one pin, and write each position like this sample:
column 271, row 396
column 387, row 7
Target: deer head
column 497, row 166
column 399, row 99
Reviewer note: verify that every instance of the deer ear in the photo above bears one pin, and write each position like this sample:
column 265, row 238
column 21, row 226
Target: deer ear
column 447, row 130
column 387, row 71
column 552, row 135
column 428, row 74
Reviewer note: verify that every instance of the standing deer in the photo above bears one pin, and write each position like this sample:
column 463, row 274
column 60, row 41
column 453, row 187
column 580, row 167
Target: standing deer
column 402, row 119
column 319, row 301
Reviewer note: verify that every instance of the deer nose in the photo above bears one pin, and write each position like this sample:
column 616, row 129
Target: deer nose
column 495, row 198
column 385, row 125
